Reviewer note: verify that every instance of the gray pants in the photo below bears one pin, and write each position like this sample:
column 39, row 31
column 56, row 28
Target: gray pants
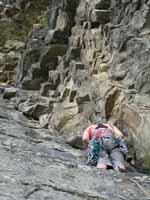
column 110, row 154
column 113, row 159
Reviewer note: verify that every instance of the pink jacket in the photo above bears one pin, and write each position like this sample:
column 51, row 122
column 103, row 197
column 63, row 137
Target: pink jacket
column 89, row 133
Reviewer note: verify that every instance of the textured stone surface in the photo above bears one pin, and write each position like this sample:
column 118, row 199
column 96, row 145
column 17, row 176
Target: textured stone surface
column 16, row 21
column 35, row 107
column 37, row 165
column 117, row 54
column 10, row 93
column 96, row 54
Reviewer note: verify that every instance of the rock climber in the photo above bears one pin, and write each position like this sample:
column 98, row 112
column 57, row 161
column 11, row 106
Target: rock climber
column 106, row 146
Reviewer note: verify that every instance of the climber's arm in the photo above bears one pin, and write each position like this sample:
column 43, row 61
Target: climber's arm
column 119, row 136
column 86, row 138
column 117, row 132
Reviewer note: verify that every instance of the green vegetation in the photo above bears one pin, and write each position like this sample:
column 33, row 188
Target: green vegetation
column 43, row 19
column 147, row 163
column 19, row 27
column 10, row 31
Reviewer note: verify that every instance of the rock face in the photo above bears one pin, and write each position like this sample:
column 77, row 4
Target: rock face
column 16, row 21
column 92, row 60
column 37, row 165
column 69, row 62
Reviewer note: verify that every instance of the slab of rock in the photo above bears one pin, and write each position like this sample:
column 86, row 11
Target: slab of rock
column 76, row 66
column 24, row 69
column 29, row 84
column 100, row 16
column 44, row 120
column 49, row 56
column 54, row 79
column 55, row 37
column 138, row 121
column 73, row 53
column 35, row 107
column 44, row 90
column 63, row 114
column 1, row 6
column 10, row 93
column 65, row 93
column 82, row 99
column 11, row 45
column 2, row 59
column 37, row 165
column 101, row 4
column 75, row 141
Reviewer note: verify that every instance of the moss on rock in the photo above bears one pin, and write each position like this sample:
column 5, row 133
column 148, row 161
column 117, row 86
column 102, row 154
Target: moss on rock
column 147, row 163
column 20, row 25
column 10, row 31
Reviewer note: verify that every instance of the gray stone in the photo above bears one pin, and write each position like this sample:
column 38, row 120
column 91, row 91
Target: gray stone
column 49, row 56
column 49, row 37
column 30, row 84
column 100, row 16
column 83, row 98
column 61, row 14
column 44, row 120
column 73, row 53
column 102, row 4
column 35, row 77
column 2, row 59
column 45, row 87
column 1, row 6
column 65, row 93
column 55, row 37
column 29, row 57
column 10, row 93
column 75, row 141
column 62, row 21
column 106, row 58
column 63, row 116
column 35, row 107
column 14, row 45
column 77, row 65
column 43, row 166
column 54, row 79
column 54, row 7
column 72, row 95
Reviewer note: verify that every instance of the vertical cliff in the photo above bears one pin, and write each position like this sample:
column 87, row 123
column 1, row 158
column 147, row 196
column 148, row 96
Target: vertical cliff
column 90, row 59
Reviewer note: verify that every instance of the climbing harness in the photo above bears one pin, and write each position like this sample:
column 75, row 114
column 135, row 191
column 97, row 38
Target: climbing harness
column 93, row 151
column 106, row 142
